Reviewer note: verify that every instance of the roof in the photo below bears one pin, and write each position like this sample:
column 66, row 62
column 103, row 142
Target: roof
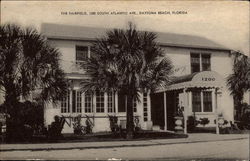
column 68, row 32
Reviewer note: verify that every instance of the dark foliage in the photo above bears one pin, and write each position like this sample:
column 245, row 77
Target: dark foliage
column 239, row 81
column 28, row 65
column 191, row 123
column 204, row 121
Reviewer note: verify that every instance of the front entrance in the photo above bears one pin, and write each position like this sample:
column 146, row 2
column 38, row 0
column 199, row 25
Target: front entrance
column 157, row 110
column 172, row 103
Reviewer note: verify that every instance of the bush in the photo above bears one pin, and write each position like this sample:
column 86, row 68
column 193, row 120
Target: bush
column 191, row 123
column 28, row 121
column 204, row 121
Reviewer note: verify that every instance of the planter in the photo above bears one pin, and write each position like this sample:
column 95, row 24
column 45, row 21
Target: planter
column 178, row 124
column 220, row 121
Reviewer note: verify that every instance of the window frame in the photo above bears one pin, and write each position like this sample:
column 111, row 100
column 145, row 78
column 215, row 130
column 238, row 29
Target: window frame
column 200, row 56
column 202, row 102
column 77, row 52
column 111, row 102
column 88, row 100
column 65, row 103
column 100, row 106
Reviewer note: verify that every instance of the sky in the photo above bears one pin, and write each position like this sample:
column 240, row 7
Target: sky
column 225, row 22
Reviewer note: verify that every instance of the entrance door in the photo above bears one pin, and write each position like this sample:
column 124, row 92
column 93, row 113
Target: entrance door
column 157, row 109
column 171, row 104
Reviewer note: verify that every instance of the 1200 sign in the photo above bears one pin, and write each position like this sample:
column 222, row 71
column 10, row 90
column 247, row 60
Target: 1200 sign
column 208, row 79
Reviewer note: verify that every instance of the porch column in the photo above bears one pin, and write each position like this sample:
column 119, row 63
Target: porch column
column 185, row 109
column 216, row 111
column 165, row 110
column 116, row 102
column 149, row 105
column 105, row 102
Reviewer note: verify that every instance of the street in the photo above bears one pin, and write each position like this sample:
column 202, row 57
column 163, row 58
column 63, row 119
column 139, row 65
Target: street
column 227, row 149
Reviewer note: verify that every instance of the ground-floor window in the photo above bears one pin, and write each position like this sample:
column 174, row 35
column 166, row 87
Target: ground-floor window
column 202, row 101
column 99, row 101
column 134, row 105
column 145, row 107
column 88, row 102
column 111, row 102
column 65, row 104
column 76, row 101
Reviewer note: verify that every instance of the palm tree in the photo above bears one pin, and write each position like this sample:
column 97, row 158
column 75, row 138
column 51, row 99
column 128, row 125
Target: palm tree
column 239, row 81
column 129, row 62
column 28, row 63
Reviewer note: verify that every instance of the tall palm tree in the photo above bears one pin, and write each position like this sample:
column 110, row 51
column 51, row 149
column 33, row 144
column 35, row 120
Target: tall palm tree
column 128, row 61
column 28, row 63
column 239, row 81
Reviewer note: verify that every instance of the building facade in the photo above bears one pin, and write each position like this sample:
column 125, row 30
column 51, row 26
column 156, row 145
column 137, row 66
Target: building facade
column 199, row 84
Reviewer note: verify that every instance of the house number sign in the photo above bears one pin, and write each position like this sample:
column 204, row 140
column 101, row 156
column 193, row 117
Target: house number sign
column 207, row 79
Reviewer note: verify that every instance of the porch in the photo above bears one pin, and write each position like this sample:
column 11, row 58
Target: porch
column 195, row 95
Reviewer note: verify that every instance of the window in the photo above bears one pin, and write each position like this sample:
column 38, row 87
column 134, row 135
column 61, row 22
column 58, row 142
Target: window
column 195, row 63
column 206, row 64
column 134, row 105
column 81, row 53
column 196, row 101
column 88, row 102
column 79, row 101
column 200, row 62
column 65, row 105
column 111, row 102
column 145, row 107
column 73, row 101
column 202, row 101
column 99, row 101
column 207, row 101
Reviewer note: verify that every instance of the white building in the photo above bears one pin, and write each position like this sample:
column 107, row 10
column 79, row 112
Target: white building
column 201, row 66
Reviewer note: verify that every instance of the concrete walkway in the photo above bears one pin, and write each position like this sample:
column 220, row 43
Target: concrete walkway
column 193, row 138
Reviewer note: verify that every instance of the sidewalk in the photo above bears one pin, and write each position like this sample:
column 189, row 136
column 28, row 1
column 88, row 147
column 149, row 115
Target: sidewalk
column 193, row 138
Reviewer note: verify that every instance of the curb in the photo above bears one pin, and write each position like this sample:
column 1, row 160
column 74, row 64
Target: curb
column 119, row 146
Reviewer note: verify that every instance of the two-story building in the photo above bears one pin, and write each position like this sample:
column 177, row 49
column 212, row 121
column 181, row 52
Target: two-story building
column 199, row 84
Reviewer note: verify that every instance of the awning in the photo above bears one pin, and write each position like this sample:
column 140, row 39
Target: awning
column 205, row 79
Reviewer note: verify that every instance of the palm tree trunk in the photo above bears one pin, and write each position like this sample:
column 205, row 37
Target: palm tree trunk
column 130, row 118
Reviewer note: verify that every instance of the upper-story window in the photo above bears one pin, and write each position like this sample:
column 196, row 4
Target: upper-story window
column 200, row 62
column 82, row 53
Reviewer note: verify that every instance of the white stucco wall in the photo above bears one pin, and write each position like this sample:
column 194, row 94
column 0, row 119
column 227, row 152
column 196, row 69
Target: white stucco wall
column 68, row 52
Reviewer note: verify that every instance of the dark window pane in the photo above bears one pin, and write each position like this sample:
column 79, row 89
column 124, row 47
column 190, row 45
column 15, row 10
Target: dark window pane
column 196, row 101
column 207, row 101
column 195, row 63
column 73, row 101
column 81, row 53
column 206, row 63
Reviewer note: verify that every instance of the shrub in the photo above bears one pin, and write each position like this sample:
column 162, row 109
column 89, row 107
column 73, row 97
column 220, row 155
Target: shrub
column 204, row 121
column 191, row 123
